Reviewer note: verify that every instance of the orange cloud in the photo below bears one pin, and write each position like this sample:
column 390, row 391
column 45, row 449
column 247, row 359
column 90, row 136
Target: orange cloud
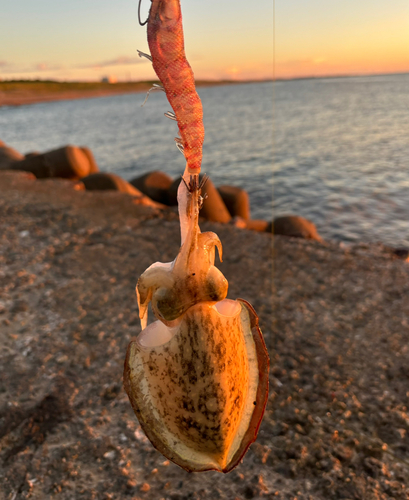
column 118, row 61
column 46, row 67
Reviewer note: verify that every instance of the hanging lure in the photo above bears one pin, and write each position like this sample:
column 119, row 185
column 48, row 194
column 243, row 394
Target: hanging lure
column 197, row 377
column 166, row 43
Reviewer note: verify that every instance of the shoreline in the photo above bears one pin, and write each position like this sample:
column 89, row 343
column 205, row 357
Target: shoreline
column 16, row 99
column 20, row 96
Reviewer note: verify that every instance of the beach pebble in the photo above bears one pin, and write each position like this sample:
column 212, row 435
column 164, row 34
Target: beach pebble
column 295, row 226
column 19, row 306
column 401, row 253
column 154, row 184
column 236, row 200
column 68, row 162
column 110, row 455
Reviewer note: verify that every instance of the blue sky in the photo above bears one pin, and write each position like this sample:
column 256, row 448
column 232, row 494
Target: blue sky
column 87, row 39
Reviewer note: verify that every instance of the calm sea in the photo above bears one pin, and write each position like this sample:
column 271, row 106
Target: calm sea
column 335, row 151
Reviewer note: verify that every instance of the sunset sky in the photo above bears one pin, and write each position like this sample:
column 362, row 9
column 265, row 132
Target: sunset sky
column 225, row 39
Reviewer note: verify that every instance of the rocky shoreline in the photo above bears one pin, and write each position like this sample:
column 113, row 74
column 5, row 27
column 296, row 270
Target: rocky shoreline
column 335, row 320
column 225, row 204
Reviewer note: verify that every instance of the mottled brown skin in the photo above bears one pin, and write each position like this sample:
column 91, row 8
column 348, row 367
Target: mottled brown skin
column 205, row 362
column 200, row 396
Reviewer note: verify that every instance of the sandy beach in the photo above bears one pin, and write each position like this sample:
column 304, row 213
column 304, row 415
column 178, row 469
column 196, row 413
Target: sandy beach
column 335, row 321
column 23, row 93
column 23, row 97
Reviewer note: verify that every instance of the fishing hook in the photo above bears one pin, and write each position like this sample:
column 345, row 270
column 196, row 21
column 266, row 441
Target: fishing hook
column 139, row 14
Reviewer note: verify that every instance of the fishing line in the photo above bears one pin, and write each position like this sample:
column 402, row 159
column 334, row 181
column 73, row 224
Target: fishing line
column 274, row 40
column 273, row 290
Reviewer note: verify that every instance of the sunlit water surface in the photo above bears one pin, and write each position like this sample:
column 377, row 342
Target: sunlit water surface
column 339, row 154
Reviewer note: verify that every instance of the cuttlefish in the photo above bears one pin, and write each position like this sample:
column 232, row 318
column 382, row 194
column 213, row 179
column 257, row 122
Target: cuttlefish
column 197, row 377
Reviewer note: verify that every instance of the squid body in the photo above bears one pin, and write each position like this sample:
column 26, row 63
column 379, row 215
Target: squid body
column 197, row 377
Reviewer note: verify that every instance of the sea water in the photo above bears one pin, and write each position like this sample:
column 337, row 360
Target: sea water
column 333, row 150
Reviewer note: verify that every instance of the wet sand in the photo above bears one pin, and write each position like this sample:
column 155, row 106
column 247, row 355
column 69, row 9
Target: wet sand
column 335, row 320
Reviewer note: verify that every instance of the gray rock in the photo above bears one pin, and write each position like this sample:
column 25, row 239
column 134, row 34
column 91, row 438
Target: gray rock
column 104, row 181
column 236, row 200
column 295, row 226
column 68, row 162
column 154, row 184
column 93, row 167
